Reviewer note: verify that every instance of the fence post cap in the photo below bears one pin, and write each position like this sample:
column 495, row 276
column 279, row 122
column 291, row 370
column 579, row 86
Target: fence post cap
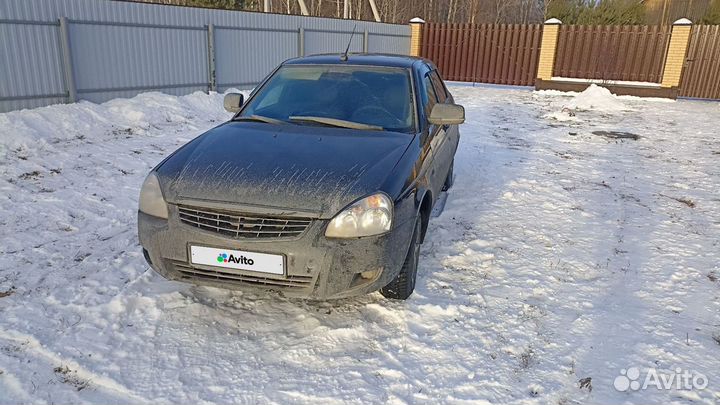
column 553, row 21
column 683, row 21
column 417, row 20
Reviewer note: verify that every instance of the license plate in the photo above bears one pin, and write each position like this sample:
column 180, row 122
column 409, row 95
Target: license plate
column 238, row 260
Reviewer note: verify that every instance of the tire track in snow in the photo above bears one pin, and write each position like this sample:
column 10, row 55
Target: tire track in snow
column 34, row 352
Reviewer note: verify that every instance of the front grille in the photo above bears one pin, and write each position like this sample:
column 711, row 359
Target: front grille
column 189, row 271
column 242, row 225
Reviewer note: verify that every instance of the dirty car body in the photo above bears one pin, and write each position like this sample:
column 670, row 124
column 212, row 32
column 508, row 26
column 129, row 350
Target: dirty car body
column 318, row 187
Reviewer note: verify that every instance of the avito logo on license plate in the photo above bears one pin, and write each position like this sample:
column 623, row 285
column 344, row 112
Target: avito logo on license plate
column 237, row 259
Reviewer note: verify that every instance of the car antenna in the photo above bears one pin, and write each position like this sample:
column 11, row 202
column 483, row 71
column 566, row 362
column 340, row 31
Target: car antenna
column 344, row 56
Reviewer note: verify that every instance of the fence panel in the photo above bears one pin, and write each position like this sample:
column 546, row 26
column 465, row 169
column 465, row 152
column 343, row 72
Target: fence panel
column 612, row 52
column 243, row 67
column 701, row 78
column 389, row 43
column 487, row 53
column 111, row 60
column 23, row 81
column 332, row 42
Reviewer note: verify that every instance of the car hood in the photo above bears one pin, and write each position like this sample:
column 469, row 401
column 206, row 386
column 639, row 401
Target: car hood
column 292, row 168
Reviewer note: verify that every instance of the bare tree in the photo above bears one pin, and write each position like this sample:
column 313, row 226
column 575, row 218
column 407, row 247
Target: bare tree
column 399, row 11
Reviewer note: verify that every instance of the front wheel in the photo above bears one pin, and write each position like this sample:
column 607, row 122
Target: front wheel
column 404, row 284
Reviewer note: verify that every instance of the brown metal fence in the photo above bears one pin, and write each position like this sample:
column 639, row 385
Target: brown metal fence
column 508, row 54
column 619, row 52
column 701, row 77
column 487, row 53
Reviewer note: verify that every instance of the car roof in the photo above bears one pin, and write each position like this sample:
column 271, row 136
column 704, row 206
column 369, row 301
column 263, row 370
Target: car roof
column 369, row 59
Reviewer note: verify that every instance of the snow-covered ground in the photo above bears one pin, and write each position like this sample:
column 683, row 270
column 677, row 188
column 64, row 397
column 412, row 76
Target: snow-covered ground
column 562, row 257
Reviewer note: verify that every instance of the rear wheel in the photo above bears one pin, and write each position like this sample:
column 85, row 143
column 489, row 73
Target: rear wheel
column 449, row 179
column 404, row 284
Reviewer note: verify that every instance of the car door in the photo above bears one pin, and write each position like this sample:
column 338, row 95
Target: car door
column 434, row 133
column 446, row 154
column 438, row 138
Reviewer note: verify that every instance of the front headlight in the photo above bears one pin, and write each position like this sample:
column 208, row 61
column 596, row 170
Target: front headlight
column 369, row 216
column 151, row 198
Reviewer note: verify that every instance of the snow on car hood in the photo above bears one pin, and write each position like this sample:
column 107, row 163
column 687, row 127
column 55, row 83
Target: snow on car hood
column 304, row 168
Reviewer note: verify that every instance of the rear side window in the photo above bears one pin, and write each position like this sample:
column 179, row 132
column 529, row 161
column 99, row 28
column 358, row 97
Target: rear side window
column 429, row 97
column 439, row 86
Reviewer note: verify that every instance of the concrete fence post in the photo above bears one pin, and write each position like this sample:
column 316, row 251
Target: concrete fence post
column 212, row 77
column 675, row 58
column 416, row 36
column 548, row 47
column 366, row 38
column 67, row 60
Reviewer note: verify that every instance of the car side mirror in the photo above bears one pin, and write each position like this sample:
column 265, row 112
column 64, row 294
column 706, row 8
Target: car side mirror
column 447, row 114
column 233, row 102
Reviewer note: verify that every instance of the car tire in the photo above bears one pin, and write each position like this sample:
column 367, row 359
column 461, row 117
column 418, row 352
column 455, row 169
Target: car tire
column 403, row 285
column 449, row 179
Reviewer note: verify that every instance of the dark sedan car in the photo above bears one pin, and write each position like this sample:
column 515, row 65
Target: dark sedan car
column 320, row 186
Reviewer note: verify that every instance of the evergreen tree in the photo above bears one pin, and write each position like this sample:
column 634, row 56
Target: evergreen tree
column 597, row 12
column 222, row 4
column 566, row 11
column 712, row 17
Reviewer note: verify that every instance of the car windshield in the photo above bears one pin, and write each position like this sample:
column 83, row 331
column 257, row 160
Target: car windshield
column 358, row 97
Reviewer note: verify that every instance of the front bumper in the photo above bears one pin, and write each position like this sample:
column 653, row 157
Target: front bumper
column 315, row 266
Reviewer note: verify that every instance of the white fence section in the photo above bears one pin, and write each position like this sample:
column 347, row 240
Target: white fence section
column 55, row 51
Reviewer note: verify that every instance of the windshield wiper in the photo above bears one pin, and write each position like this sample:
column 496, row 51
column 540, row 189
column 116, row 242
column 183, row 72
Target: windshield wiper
column 336, row 122
column 259, row 118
